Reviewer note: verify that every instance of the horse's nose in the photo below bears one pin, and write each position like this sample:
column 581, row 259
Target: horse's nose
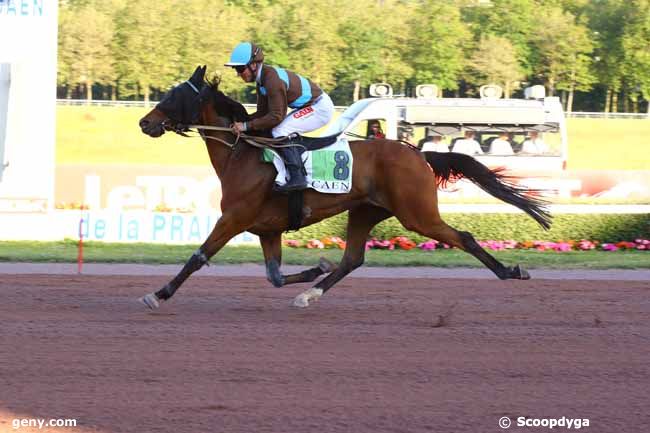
column 144, row 123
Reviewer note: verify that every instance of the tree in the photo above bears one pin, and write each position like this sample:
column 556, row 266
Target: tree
column 437, row 44
column 564, row 47
column 362, row 54
column 515, row 20
column 208, row 30
column 636, row 49
column 579, row 77
column 606, row 18
column 396, row 18
column 85, row 57
column 495, row 61
column 148, row 49
column 315, row 49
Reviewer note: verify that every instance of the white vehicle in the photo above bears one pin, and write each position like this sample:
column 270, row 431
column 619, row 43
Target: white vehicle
column 488, row 117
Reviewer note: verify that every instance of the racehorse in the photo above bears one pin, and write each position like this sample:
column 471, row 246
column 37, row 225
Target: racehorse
column 390, row 178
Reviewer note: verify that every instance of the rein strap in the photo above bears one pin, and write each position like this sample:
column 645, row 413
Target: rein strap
column 261, row 142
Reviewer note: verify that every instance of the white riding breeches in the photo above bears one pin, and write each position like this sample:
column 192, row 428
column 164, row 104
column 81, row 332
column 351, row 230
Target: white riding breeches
column 306, row 119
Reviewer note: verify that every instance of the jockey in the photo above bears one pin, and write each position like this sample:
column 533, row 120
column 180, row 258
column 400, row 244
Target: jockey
column 278, row 88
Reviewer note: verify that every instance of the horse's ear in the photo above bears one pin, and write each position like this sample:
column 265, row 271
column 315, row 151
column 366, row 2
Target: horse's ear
column 197, row 76
column 200, row 73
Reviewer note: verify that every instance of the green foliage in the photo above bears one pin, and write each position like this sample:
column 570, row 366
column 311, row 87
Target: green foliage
column 563, row 46
column 495, row 62
column 515, row 20
column 363, row 60
column 85, row 55
column 519, row 227
column 139, row 47
column 605, row 21
column 143, row 39
column 437, row 42
column 636, row 47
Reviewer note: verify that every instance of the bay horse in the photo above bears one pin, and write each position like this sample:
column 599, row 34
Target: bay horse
column 390, row 178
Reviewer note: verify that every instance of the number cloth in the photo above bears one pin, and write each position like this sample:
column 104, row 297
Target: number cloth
column 329, row 170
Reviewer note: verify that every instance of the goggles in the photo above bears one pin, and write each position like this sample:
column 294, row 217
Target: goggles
column 240, row 68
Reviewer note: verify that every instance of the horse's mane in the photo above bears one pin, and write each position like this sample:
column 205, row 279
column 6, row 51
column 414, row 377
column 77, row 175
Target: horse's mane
column 224, row 105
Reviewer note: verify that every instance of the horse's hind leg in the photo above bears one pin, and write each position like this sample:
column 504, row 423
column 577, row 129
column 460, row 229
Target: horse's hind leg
column 360, row 221
column 440, row 231
column 470, row 245
column 272, row 248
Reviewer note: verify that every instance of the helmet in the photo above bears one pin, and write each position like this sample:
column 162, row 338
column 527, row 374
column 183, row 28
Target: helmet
column 244, row 54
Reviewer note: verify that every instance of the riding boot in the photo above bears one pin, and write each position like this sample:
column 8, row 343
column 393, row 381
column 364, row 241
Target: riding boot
column 297, row 177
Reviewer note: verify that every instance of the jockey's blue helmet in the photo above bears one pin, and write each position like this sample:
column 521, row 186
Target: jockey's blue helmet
column 245, row 53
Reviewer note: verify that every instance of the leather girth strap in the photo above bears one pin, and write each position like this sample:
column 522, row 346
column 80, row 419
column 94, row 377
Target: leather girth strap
column 296, row 200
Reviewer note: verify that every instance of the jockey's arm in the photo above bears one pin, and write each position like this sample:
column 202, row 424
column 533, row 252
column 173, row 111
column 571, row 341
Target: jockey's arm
column 276, row 106
column 262, row 106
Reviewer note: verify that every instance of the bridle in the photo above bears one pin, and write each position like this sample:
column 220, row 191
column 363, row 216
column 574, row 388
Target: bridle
column 255, row 141
column 177, row 126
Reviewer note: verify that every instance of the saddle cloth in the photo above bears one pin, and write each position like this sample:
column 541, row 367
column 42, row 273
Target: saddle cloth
column 329, row 169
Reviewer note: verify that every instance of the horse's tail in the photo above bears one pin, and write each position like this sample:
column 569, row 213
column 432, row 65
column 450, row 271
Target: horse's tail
column 450, row 166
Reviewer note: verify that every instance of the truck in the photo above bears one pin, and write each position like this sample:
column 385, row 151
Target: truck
column 413, row 119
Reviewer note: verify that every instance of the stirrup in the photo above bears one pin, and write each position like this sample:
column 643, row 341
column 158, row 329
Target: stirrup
column 288, row 187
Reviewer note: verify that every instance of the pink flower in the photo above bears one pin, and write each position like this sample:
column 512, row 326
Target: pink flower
column 315, row 243
column 429, row 245
column 379, row 244
column 562, row 246
column 495, row 245
column 403, row 242
column 586, row 245
column 293, row 243
column 609, row 247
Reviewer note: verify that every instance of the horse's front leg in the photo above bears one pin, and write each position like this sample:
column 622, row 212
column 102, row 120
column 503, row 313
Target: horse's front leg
column 228, row 226
column 272, row 248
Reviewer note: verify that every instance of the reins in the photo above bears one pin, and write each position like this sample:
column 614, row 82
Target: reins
column 253, row 140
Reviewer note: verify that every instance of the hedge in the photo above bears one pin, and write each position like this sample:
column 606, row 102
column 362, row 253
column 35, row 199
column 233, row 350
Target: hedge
column 518, row 227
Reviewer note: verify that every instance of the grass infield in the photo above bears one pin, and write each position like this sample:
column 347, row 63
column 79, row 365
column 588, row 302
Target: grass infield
column 110, row 135
column 99, row 252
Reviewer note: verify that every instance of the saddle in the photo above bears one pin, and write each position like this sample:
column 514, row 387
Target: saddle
column 310, row 143
column 298, row 144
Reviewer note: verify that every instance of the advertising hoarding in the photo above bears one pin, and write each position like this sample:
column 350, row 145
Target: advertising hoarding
column 28, row 31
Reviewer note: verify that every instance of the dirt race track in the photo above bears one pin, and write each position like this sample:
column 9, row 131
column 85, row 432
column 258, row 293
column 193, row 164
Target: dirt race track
column 229, row 354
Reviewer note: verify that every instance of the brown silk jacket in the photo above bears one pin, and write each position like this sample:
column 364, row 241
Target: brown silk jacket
column 273, row 98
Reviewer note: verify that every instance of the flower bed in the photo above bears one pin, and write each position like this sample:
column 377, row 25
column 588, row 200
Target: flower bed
column 404, row 243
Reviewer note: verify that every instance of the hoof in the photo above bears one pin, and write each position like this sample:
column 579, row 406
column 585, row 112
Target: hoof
column 520, row 273
column 302, row 300
column 326, row 266
column 151, row 301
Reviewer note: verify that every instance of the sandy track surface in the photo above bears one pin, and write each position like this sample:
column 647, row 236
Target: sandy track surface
column 228, row 354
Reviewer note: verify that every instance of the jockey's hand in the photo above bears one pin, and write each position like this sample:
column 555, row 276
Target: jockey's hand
column 238, row 127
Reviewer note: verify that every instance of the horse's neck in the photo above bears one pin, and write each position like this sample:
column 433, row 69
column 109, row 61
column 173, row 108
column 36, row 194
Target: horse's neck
column 220, row 153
